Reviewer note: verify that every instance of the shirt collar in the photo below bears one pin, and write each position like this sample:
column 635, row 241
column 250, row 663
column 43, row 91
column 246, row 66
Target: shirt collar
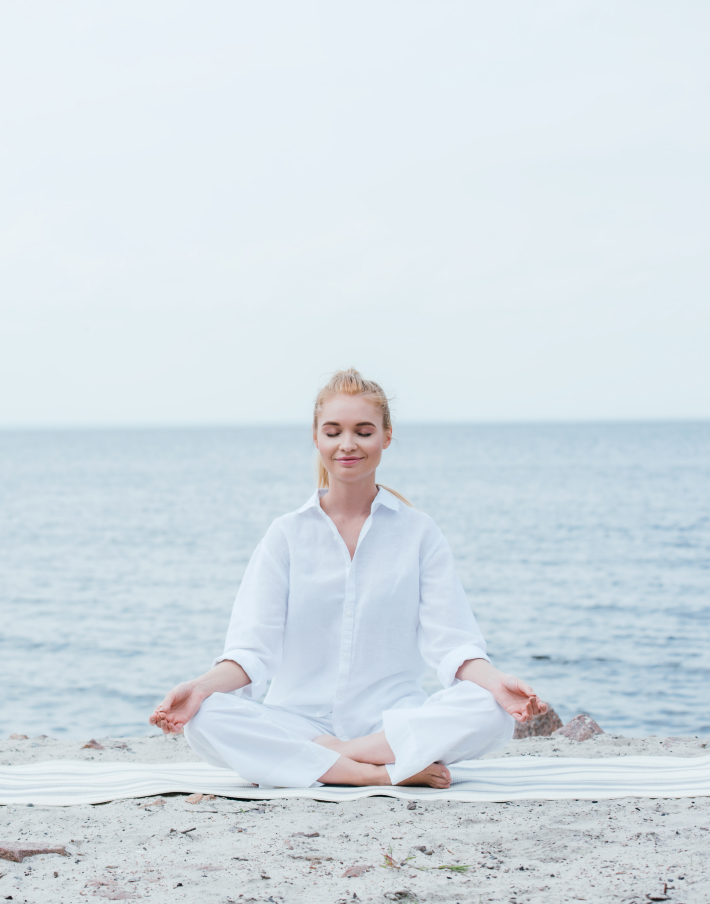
column 384, row 497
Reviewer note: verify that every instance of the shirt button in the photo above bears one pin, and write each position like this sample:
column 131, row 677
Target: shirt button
column 340, row 696
column 349, row 613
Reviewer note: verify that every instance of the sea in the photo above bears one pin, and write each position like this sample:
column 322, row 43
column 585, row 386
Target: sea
column 584, row 550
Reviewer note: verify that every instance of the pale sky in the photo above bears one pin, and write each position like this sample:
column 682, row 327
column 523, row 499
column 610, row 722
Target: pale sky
column 497, row 210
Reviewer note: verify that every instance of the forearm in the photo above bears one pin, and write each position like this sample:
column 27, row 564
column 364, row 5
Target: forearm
column 226, row 676
column 480, row 672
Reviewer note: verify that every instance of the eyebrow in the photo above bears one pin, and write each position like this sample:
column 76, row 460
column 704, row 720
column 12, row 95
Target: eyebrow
column 360, row 424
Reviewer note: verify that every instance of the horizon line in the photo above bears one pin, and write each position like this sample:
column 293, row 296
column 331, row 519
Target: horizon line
column 237, row 425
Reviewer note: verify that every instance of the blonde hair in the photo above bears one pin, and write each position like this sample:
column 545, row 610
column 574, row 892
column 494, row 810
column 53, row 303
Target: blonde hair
column 351, row 382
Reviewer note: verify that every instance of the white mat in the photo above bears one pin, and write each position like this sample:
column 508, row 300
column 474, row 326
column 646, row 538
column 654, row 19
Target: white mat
column 67, row 782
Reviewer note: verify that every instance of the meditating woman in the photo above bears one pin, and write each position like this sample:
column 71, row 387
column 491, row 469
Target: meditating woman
column 344, row 604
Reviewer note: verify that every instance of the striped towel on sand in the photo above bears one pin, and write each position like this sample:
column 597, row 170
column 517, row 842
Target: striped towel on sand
column 67, row 782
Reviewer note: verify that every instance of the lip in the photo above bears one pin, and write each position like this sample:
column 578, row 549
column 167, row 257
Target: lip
column 348, row 461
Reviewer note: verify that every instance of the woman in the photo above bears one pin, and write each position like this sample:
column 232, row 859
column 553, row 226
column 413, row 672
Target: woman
column 344, row 604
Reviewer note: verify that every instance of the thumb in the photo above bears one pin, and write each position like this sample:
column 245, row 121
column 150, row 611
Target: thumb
column 515, row 712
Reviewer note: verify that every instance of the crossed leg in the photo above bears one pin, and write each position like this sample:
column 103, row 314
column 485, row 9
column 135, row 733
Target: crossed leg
column 362, row 762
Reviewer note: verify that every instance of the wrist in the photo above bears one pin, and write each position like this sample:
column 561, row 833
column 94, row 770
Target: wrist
column 202, row 689
column 482, row 673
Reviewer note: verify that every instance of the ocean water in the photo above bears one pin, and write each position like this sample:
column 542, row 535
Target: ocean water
column 584, row 549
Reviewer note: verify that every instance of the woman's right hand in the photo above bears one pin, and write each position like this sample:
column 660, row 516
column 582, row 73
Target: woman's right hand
column 178, row 707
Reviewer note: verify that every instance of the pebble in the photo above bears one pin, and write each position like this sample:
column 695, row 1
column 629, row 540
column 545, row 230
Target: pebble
column 539, row 726
column 581, row 728
column 18, row 852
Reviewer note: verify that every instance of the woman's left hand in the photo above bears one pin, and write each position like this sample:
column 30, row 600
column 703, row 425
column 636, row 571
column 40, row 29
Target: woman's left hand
column 517, row 698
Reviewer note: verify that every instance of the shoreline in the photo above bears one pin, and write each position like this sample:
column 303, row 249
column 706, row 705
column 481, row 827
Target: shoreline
column 284, row 851
column 159, row 748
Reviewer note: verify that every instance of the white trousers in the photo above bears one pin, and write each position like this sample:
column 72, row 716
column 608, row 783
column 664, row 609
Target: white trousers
column 273, row 746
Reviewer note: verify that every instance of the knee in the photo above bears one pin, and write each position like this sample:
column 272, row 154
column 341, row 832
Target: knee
column 499, row 723
column 204, row 718
column 504, row 724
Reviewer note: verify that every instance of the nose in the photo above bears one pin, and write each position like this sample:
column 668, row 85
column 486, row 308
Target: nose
column 347, row 442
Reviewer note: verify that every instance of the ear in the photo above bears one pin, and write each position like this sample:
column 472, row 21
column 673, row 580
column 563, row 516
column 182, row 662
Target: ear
column 388, row 438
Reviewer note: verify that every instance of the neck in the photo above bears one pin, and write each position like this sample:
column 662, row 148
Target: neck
column 350, row 499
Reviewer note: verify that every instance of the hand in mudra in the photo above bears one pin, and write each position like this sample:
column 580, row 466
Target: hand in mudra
column 178, row 707
column 517, row 698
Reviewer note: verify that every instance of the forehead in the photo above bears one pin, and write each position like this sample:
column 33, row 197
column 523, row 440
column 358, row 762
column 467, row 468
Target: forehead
column 348, row 409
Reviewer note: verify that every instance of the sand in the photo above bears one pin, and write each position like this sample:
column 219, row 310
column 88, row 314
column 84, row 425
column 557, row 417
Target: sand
column 627, row 850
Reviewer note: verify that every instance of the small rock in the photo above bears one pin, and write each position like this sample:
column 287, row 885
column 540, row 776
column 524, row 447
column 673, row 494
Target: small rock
column 356, row 871
column 18, row 852
column 18, row 737
column 400, row 895
column 93, row 745
column 539, row 726
column 306, row 834
column 197, row 798
column 581, row 728
column 412, row 805
column 158, row 802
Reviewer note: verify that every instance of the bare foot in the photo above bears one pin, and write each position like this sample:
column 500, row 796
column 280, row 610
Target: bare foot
column 434, row 776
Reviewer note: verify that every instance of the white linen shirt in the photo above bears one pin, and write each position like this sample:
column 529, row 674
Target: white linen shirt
column 351, row 639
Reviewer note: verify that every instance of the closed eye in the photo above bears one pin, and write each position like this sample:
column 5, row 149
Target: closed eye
column 332, row 435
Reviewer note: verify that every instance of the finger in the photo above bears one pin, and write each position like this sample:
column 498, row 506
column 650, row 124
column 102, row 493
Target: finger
column 168, row 702
column 534, row 708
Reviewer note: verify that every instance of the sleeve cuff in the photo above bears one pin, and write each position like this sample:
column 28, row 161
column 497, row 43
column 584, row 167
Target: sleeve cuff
column 451, row 663
column 254, row 668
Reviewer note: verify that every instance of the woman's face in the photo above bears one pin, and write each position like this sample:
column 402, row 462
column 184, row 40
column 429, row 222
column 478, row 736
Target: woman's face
column 350, row 437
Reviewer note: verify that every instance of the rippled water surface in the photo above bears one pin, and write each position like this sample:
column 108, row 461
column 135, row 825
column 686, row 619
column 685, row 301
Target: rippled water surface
column 585, row 551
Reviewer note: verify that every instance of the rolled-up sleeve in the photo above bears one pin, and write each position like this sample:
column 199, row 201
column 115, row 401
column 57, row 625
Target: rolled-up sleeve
column 448, row 634
column 255, row 635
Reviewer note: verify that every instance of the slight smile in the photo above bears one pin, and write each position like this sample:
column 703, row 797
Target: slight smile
column 348, row 461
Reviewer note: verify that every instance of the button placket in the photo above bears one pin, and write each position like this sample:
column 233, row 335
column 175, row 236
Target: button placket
column 347, row 634
column 346, row 640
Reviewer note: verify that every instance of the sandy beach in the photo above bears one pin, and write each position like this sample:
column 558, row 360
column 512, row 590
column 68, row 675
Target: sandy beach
column 169, row 849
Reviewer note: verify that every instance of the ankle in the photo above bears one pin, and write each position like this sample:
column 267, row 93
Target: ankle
column 377, row 775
